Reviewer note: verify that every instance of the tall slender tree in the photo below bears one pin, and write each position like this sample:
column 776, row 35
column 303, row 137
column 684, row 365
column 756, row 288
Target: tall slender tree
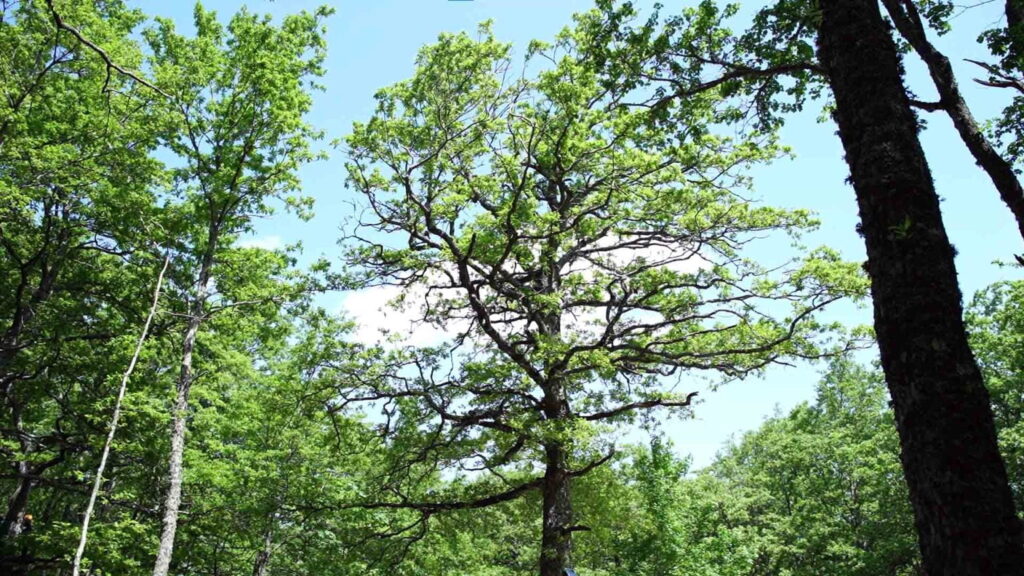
column 239, row 95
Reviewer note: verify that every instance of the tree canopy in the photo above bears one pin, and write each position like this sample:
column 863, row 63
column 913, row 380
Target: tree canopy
column 575, row 253
column 578, row 223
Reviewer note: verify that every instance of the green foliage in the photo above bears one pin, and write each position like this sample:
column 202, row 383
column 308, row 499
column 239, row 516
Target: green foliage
column 826, row 481
column 819, row 490
column 576, row 252
column 76, row 212
column 995, row 320
column 667, row 60
column 578, row 227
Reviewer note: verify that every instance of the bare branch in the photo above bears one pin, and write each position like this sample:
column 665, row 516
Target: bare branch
column 1004, row 80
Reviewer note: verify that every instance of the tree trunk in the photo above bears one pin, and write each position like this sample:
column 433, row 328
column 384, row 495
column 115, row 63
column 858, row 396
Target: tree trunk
column 1014, row 17
column 28, row 302
column 262, row 562
column 556, row 532
column 17, row 504
column 958, row 485
column 26, row 307
column 172, row 501
column 556, row 537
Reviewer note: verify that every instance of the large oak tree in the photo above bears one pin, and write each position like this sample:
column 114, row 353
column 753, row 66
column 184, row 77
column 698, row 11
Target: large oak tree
column 577, row 257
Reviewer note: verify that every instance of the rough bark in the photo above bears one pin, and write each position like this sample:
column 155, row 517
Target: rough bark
column 958, row 485
column 556, row 535
column 172, row 500
column 77, row 563
column 908, row 22
column 1014, row 17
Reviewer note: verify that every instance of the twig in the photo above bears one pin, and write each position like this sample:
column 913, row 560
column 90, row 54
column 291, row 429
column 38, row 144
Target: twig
column 1004, row 80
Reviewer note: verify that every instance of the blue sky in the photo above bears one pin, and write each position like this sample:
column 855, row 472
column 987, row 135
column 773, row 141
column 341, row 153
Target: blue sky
column 372, row 43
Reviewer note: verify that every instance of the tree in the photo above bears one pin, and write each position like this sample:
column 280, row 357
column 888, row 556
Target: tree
column 114, row 418
column 576, row 255
column 823, row 485
column 269, row 463
column 75, row 184
column 958, row 485
column 672, row 521
column 240, row 94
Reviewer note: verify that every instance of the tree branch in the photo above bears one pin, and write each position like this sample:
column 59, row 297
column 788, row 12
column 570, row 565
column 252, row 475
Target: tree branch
column 111, row 65
column 510, row 494
column 640, row 406
column 1004, row 80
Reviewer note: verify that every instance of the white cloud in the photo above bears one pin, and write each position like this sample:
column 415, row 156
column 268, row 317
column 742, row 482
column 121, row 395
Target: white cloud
column 391, row 315
column 272, row 242
column 380, row 319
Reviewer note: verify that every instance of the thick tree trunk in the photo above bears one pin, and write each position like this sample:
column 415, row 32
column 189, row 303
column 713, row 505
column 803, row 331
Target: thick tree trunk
column 556, row 537
column 1014, row 17
column 172, row 501
column 556, row 531
column 958, row 486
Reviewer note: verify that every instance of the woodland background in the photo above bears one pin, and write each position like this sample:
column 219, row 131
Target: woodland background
column 583, row 232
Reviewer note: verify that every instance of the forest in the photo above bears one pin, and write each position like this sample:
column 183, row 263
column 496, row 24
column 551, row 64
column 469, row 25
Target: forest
column 568, row 248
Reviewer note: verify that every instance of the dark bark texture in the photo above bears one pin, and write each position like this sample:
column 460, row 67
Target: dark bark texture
column 958, row 486
column 556, row 532
column 556, row 536
column 1014, row 17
